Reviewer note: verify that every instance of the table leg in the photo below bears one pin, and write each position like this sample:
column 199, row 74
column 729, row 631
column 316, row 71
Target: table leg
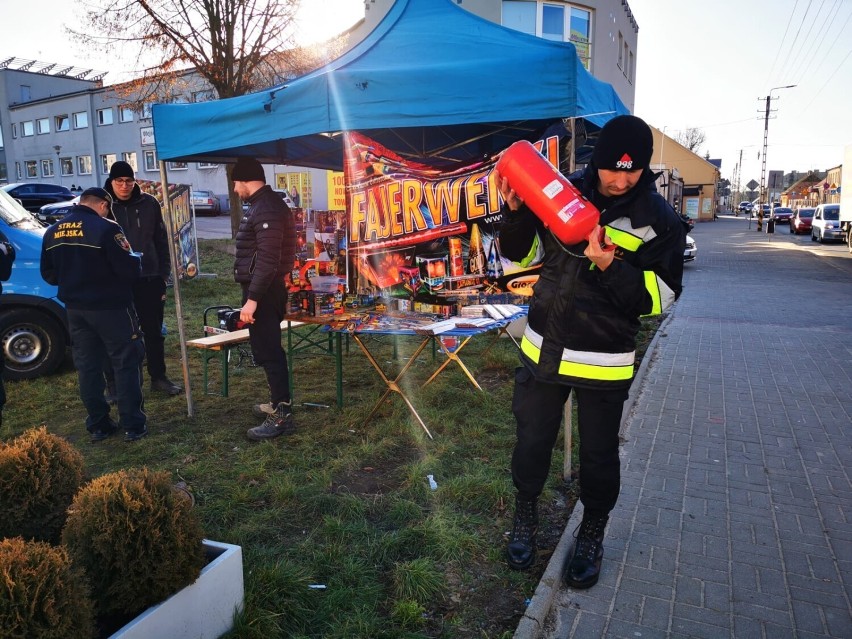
column 393, row 384
column 453, row 356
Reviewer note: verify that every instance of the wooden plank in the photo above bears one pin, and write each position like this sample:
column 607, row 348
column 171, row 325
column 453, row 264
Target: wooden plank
column 217, row 342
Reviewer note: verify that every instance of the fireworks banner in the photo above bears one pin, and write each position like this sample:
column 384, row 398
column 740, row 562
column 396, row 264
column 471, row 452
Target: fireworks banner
column 182, row 231
column 426, row 235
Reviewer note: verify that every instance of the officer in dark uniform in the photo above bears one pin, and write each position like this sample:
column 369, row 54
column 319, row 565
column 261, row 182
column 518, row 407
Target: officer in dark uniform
column 88, row 257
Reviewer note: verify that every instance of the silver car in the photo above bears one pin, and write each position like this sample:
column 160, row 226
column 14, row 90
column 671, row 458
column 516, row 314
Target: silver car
column 826, row 224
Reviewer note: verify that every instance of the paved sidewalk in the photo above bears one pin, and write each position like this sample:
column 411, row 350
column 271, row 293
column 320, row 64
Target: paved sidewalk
column 735, row 516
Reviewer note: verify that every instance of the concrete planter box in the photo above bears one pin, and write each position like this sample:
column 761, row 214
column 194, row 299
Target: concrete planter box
column 202, row 610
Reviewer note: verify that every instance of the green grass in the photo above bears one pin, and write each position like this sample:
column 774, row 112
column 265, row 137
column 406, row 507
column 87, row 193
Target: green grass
column 342, row 503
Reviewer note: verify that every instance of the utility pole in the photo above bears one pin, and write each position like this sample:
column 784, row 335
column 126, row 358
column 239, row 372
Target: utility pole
column 763, row 159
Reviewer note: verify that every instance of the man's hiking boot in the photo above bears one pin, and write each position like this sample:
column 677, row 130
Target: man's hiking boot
column 278, row 422
column 520, row 552
column 584, row 561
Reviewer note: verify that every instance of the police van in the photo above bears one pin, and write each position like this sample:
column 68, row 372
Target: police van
column 33, row 325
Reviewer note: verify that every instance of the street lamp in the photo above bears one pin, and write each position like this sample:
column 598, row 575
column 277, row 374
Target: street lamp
column 58, row 148
column 763, row 161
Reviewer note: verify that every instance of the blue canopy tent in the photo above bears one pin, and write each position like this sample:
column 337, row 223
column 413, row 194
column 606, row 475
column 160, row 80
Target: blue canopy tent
column 432, row 81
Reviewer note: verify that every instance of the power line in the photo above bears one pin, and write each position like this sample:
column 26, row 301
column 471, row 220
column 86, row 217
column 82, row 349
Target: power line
column 783, row 40
column 848, row 53
column 831, row 47
column 803, row 60
column 798, row 31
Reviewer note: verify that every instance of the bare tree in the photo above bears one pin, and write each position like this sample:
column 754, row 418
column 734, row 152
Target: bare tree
column 188, row 46
column 691, row 138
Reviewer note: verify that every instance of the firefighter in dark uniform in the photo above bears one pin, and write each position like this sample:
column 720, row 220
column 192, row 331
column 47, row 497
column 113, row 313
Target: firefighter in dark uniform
column 88, row 257
column 581, row 331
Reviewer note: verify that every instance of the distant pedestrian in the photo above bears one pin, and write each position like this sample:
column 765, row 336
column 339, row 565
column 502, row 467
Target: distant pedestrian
column 294, row 195
column 140, row 215
column 265, row 253
column 88, row 257
column 581, row 332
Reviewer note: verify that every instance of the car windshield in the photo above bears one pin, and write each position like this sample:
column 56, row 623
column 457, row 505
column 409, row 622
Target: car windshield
column 783, row 210
column 806, row 212
column 14, row 214
column 832, row 214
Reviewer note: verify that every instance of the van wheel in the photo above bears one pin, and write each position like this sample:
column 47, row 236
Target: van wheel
column 33, row 343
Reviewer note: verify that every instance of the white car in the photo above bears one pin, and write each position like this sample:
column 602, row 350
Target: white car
column 826, row 224
column 691, row 251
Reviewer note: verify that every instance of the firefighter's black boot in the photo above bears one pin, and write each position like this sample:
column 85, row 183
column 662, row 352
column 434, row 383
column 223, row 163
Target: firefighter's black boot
column 520, row 553
column 584, row 561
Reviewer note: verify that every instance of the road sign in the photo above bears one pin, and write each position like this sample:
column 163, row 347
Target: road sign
column 752, row 185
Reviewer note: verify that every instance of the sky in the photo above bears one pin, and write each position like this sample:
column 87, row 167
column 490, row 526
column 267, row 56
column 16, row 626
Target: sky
column 699, row 65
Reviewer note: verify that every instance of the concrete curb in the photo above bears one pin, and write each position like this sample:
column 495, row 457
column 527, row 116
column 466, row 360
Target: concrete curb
column 532, row 623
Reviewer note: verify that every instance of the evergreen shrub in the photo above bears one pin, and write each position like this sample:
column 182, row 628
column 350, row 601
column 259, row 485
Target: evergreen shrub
column 39, row 475
column 41, row 593
column 136, row 538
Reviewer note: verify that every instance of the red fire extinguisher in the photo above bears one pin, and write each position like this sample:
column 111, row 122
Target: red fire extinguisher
column 548, row 194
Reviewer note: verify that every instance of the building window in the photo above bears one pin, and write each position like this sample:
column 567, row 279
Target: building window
column 66, row 166
column 107, row 160
column 520, row 16
column 26, row 93
column 125, row 114
column 150, row 160
column 620, row 50
column 61, row 123
column 553, row 22
column 27, row 129
column 31, row 168
column 47, row 168
column 207, row 165
column 130, row 158
column 625, row 58
column 15, row 131
column 1, row 138
column 104, row 117
column 81, row 120
column 145, row 114
column 84, row 164
column 43, row 125
column 178, row 166
column 203, row 96
column 580, row 31
column 18, row 171
column 630, row 69
column 3, row 175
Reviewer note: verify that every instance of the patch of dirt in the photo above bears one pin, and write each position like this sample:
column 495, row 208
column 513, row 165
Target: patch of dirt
column 493, row 378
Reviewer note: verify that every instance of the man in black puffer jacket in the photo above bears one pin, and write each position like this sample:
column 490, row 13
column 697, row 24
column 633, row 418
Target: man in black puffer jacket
column 266, row 252
column 141, row 217
column 581, row 331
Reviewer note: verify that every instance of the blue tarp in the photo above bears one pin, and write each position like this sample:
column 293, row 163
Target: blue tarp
column 432, row 81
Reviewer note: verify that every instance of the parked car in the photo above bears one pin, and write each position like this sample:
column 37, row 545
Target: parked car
column 284, row 196
column 33, row 325
column 50, row 213
column 34, row 195
column 782, row 214
column 766, row 211
column 745, row 207
column 691, row 251
column 800, row 223
column 825, row 224
column 206, row 203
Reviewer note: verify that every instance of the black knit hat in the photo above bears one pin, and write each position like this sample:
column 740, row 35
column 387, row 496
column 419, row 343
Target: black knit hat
column 248, row 170
column 98, row 193
column 625, row 144
column 121, row 169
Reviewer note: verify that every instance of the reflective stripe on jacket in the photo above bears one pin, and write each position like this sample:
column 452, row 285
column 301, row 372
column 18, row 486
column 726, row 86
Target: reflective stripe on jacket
column 582, row 321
